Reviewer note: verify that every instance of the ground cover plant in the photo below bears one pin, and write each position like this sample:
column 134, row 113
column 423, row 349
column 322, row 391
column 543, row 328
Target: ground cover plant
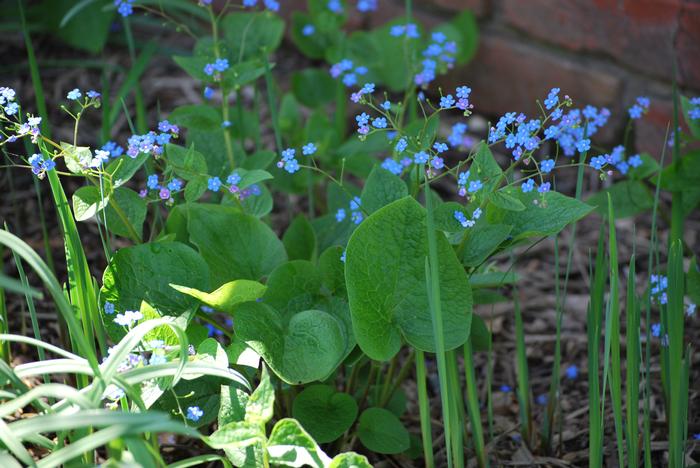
column 292, row 264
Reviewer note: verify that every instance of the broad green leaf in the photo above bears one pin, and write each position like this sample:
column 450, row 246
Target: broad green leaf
column 338, row 308
column 683, row 174
column 629, row 198
column 290, row 445
column 503, row 200
column 195, row 188
column 648, row 168
column 305, row 348
column 196, row 117
column 324, row 412
column 330, row 232
column 258, row 205
column 381, row 188
column 226, row 297
column 212, row 145
column 131, row 212
column 300, row 239
column 394, row 66
column 233, row 404
column 385, row 277
column 493, row 279
column 144, row 273
column 252, row 34
column 186, row 162
column 350, row 460
column 544, row 214
column 236, row 435
column 235, row 245
column 480, row 334
column 252, row 176
column 292, row 286
column 481, row 241
column 123, row 169
column 313, row 87
column 91, row 21
column 444, row 216
column 332, row 270
column 487, row 170
column 260, row 406
column 87, row 202
column 381, row 431
column 259, row 160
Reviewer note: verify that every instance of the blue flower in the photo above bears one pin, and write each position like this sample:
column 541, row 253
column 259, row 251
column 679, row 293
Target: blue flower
column 401, row 145
column 214, row 184
column 552, row 98
column 547, row 165
column 392, row 166
column 379, row 122
column 291, row 166
column 340, row 215
column 152, row 182
column 463, row 92
column 447, row 102
column 92, row 94
column 156, row 359
column 527, row 186
column 420, row 157
column 437, row 162
column 356, row 217
column 368, row 88
column 572, row 372
column 474, row 186
column 288, row 154
column 366, row 5
column 635, row 161
column 505, row 388
column 194, row 413
column 124, row 7
column 233, row 179
column 655, row 330
column 74, row 94
column 355, row 203
column 440, row 147
column 175, row 185
column 11, row 108
column 308, row 149
column 362, row 119
column 583, row 145
column 386, row 105
column 308, row 29
column 542, row 399
column 109, row 308
column 208, row 93
column 635, row 111
column 544, row 188
column 335, row 6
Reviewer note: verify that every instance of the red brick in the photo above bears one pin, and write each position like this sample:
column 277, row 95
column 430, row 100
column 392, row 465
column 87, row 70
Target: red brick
column 480, row 8
column 508, row 76
column 637, row 33
column 688, row 46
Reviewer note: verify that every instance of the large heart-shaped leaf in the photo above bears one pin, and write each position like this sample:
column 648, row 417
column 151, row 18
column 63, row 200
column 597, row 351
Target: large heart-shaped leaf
column 290, row 445
column 381, row 188
column 385, row 277
column 228, row 295
column 382, row 432
column 234, row 244
column 324, row 412
column 307, row 347
column 144, row 273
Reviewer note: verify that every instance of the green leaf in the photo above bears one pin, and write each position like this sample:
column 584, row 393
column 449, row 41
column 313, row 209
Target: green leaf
column 77, row 158
column 292, row 286
column 235, row 245
column 226, row 297
column 629, row 198
column 258, row 205
column 144, row 273
column 350, row 460
column 300, row 239
column 196, row 117
column 381, row 188
column 683, row 174
column 252, row 176
column 480, row 334
column 252, row 35
column 87, row 202
column 544, row 214
column 324, row 412
column 290, row 445
column 394, row 57
column 385, row 277
column 493, row 279
column 487, row 170
column 503, row 200
column 123, row 169
column 481, row 241
column 131, row 206
column 693, row 281
column 232, row 407
column 259, row 160
column 648, row 168
column 236, row 435
column 332, row 270
column 381, row 431
column 195, row 188
column 313, row 87
column 186, row 162
column 306, row 347
column 260, row 406
column 91, row 21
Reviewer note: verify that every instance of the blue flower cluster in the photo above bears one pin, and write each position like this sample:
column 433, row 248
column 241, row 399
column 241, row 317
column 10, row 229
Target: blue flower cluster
column 10, row 114
column 113, row 149
column 458, row 138
column 164, row 191
column 308, row 30
column 40, row 165
column 439, row 57
column 348, row 72
column 365, row 6
column 194, row 413
column 356, row 215
column 128, row 318
column 659, row 285
column 617, row 159
column 335, row 6
column 272, row 5
column 289, row 161
column 152, row 142
column 640, row 107
column 215, row 69
column 409, row 30
column 396, row 167
column 462, row 218
column 694, row 111
column 468, row 186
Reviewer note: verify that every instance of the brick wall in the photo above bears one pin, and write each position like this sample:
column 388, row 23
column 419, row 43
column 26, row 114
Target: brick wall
column 602, row 52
